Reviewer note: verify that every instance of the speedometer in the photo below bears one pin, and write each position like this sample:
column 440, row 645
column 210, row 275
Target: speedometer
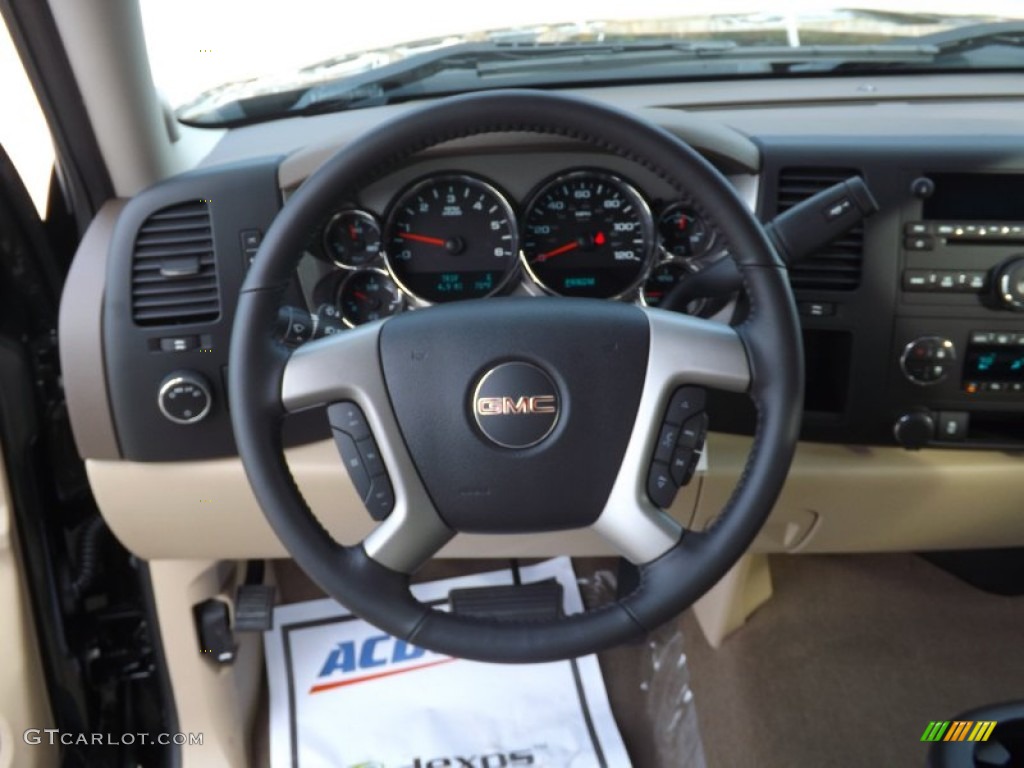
column 451, row 237
column 588, row 234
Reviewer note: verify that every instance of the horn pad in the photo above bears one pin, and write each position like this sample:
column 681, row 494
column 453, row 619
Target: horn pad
column 517, row 412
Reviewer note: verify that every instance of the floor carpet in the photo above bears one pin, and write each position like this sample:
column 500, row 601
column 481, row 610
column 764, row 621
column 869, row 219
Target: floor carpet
column 849, row 661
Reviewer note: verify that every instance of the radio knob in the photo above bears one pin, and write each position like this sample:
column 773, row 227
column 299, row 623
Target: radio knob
column 184, row 397
column 914, row 430
column 1008, row 283
column 928, row 360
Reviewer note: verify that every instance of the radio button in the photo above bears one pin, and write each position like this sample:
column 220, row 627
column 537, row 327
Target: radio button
column 919, row 243
column 915, row 280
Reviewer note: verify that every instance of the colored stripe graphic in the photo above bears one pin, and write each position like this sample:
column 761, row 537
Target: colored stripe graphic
column 377, row 676
column 958, row 730
column 986, row 731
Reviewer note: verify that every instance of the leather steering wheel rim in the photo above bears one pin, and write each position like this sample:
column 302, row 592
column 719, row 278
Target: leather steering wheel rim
column 369, row 578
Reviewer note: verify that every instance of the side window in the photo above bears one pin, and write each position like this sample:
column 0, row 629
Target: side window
column 23, row 131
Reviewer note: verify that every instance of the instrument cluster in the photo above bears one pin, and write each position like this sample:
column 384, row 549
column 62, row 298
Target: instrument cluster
column 454, row 236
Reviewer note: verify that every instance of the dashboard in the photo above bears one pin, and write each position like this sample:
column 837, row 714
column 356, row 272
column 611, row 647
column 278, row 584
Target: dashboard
column 453, row 235
column 912, row 324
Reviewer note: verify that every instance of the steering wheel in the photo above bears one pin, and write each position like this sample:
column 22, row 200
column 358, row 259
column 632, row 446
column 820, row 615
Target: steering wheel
column 583, row 384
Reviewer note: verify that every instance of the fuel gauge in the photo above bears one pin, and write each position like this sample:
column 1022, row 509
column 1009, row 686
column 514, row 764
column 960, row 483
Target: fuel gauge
column 368, row 295
column 352, row 239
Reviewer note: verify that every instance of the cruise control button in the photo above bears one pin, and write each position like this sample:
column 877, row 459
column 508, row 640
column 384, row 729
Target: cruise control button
column 349, row 418
column 666, row 442
column 660, row 486
column 381, row 498
column 684, row 462
column 693, row 431
column 353, row 461
column 371, row 456
column 685, row 402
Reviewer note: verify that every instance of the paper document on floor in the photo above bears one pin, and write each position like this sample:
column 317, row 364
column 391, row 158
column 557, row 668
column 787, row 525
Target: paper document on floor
column 344, row 694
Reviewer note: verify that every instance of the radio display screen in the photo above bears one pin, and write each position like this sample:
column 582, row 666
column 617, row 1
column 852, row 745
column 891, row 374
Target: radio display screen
column 990, row 362
column 976, row 197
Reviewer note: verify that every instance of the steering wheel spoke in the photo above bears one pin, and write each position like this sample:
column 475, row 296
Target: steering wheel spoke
column 346, row 368
column 684, row 352
column 343, row 366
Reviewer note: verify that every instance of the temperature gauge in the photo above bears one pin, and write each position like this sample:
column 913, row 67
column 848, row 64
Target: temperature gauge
column 683, row 233
column 368, row 295
column 352, row 239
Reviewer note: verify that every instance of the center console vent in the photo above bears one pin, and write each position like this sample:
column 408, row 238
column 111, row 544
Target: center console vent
column 174, row 274
column 837, row 266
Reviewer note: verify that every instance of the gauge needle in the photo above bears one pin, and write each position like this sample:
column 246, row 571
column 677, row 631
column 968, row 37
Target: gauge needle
column 361, row 296
column 559, row 251
column 420, row 238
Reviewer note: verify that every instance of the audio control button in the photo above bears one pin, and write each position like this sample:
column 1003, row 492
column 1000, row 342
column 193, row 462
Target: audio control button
column 919, row 243
column 915, row 280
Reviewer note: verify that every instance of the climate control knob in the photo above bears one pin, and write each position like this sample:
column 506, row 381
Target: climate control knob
column 915, row 429
column 928, row 360
column 1008, row 283
column 184, row 397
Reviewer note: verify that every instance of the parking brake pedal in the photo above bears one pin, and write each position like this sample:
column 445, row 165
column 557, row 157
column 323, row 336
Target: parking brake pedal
column 213, row 625
column 537, row 601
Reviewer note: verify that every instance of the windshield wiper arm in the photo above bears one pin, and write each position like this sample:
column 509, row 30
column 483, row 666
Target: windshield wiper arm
column 482, row 59
column 975, row 36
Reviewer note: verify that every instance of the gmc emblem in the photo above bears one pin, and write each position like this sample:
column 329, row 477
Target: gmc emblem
column 507, row 406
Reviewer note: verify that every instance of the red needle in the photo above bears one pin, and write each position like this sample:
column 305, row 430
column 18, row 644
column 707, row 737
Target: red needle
column 420, row 238
column 361, row 296
column 559, row 251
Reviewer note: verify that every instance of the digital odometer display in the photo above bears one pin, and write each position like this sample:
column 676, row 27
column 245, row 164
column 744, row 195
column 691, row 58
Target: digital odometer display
column 450, row 238
column 588, row 234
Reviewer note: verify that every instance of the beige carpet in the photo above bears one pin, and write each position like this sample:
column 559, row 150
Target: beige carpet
column 849, row 661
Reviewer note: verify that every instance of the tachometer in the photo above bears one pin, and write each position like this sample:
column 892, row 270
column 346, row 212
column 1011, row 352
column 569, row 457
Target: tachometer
column 451, row 237
column 588, row 234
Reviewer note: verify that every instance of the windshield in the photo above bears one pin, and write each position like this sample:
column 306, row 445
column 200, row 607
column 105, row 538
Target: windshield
column 245, row 62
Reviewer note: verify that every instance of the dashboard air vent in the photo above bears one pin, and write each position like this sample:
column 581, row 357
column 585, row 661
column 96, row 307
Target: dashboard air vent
column 836, row 267
column 174, row 276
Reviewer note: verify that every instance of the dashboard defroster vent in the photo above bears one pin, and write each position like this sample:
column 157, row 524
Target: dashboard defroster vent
column 837, row 266
column 174, row 273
